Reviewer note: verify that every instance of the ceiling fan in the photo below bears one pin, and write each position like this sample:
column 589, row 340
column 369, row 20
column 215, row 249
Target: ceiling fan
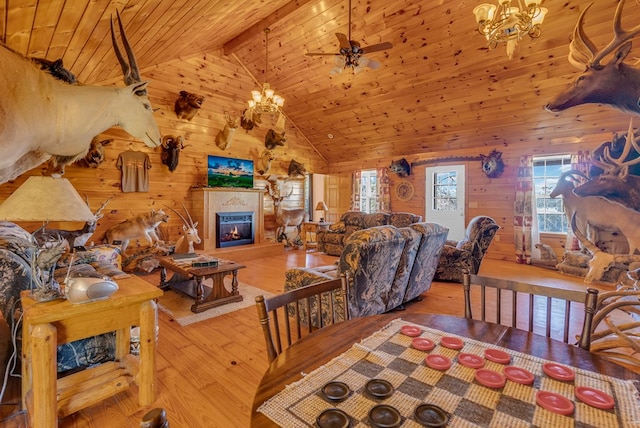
column 351, row 54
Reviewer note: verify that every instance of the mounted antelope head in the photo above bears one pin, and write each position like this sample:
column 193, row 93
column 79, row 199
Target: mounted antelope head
column 285, row 218
column 31, row 96
column 615, row 83
column 185, row 243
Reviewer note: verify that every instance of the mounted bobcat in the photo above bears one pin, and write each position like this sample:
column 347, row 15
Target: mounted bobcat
column 141, row 226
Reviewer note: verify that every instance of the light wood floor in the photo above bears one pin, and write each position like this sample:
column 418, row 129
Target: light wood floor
column 208, row 371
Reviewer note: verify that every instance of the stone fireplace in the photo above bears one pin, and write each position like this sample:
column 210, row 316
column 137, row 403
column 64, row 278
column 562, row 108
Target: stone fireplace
column 234, row 228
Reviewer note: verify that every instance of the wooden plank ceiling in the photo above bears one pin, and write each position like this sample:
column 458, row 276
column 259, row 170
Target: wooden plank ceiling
column 439, row 88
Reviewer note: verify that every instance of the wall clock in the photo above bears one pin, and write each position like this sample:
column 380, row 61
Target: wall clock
column 404, row 190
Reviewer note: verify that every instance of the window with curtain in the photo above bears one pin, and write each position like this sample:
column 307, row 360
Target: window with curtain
column 371, row 192
column 368, row 191
column 546, row 172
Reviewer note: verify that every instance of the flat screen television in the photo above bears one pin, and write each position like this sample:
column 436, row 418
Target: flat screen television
column 229, row 172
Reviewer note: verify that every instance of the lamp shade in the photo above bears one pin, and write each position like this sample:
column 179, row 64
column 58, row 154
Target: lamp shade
column 321, row 206
column 539, row 18
column 45, row 199
column 484, row 12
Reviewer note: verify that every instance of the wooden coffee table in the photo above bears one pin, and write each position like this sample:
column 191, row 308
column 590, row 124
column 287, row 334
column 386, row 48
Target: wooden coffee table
column 192, row 285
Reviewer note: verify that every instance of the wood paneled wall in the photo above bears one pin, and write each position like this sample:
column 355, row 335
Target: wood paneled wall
column 226, row 87
column 494, row 197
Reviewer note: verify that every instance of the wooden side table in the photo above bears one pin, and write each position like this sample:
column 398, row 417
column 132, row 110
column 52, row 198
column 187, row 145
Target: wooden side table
column 312, row 227
column 47, row 324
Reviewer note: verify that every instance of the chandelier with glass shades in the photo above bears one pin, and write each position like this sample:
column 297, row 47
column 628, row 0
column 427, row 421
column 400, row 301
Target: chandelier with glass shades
column 508, row 24
column 266, row 101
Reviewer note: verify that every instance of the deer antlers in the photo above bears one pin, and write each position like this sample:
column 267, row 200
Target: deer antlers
column 612, row 164
column 583, row 52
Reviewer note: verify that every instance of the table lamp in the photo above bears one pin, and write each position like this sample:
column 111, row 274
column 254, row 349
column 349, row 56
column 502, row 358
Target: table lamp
column 321, row 206
column 45, row 199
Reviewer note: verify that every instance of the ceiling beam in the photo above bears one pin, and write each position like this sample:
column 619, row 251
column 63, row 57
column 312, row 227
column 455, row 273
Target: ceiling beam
column 234, row 44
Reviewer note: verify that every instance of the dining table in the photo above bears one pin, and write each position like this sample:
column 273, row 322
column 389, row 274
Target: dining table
column 315, row 351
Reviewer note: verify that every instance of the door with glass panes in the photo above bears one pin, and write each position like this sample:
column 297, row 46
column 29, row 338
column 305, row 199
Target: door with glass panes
column 445, row 198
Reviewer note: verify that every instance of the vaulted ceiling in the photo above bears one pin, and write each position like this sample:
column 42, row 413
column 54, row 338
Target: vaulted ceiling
column 439, row 88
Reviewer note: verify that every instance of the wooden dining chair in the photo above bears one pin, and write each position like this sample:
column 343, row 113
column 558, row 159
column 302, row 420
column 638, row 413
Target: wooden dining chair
column 521, row 298
column 288, row 317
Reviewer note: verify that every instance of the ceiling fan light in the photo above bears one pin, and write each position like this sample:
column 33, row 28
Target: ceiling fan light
column 257, row 96
column 269, row 93
column 278, row 100
column 251, row 103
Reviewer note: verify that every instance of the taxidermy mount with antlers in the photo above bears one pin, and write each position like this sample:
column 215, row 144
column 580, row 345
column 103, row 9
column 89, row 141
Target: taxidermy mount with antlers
column 72, row 238
column 615, row 83
column 89, row 111
column 284, row 217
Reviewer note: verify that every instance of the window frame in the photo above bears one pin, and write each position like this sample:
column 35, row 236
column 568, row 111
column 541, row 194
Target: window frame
column 546, row 207
column 368, row 196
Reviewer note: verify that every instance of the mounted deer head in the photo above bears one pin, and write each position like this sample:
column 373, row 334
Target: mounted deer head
column 614, row 84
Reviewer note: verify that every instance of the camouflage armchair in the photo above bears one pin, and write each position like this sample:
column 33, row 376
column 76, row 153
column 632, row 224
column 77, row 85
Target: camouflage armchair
column 370, row 260
column 467, row 253
column 427, row 258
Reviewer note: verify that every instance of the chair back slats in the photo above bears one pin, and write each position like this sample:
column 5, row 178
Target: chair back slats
column 557, row 302
column 300, row 311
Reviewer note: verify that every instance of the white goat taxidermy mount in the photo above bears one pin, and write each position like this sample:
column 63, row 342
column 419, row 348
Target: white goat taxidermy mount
column 31, row 101
column 185, row 243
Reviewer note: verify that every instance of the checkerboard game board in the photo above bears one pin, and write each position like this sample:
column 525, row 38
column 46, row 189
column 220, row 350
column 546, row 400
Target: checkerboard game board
column 388, row 355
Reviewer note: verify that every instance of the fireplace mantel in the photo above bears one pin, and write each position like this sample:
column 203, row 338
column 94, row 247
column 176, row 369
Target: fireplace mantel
column 206, row 202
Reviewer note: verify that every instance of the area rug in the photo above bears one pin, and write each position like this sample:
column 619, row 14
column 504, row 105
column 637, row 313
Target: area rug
column 178, row 306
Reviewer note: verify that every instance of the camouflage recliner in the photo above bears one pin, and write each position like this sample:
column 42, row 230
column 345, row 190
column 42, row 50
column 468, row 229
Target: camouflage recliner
column 467, row 253
column 386, row 267
column 332, row 240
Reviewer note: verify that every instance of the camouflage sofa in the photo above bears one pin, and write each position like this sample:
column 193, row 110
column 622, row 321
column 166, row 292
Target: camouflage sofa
column 467, row 253
column 386, row 267
column 332, row 240
column 16, row 276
